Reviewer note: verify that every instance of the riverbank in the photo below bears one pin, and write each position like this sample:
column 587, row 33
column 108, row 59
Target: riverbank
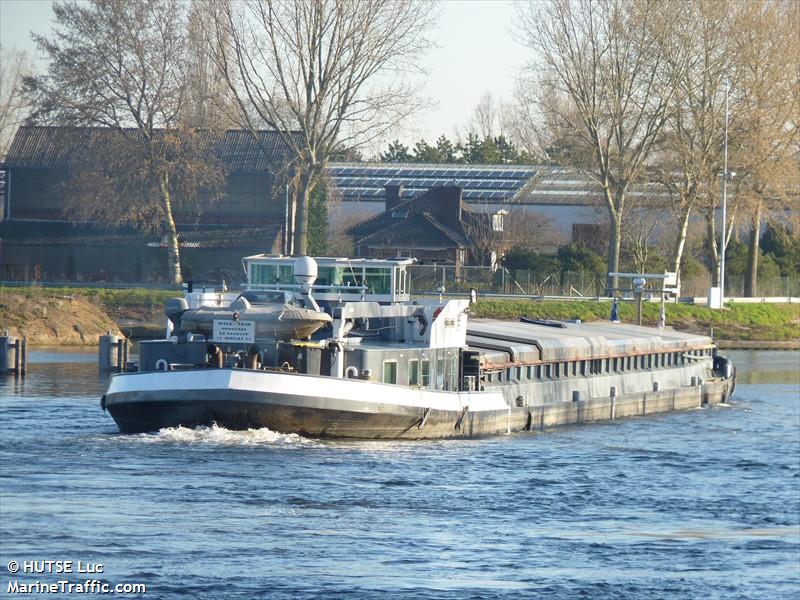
column 737, row 325
column 54, row 318
column 77, row 316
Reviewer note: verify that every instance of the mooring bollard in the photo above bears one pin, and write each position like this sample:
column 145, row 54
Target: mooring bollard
column 120, row 359
column 107, row 352
column 13, row 355
column 6, row 357
column 23, row 356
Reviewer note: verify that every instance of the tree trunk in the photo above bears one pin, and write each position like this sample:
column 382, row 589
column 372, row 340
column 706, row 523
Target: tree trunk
column 174, row 259
column 751, row 275
column 614, row 242
column 680, row 244
column 713, row 251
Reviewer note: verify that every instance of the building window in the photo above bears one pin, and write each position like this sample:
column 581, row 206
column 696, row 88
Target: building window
column 497, row 221
column 583, row 368
column 413, row 372
column 548, row 371
column 425, row 373
column 538, row 371
column 390, row 371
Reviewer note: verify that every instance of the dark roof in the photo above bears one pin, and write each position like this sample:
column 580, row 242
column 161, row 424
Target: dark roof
column 36, row 147
column 367, row 181
column 418, row 231
column 59, row 233
column 427, row 220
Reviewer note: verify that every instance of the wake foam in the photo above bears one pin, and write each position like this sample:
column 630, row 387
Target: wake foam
column 220, row 436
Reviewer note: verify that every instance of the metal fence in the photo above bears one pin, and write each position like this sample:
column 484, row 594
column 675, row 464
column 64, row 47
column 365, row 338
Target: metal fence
column 577, row 284
column 431, row 278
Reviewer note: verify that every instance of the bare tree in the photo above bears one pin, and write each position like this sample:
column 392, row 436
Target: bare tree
column 119, row 167
column 333, row 70
column 689, row 155
column 207, row 103
column 643, row 221
column 492, row 235
column 119, row 64
column 15, row 65
column 488, row 118
column 530, row 230
column 766, row 131
column 602, row 86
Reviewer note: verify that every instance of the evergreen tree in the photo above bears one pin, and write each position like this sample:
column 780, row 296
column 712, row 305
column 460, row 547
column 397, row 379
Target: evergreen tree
column 318, row 222
column 446, row 149
column 397, row 153
column 425, row 153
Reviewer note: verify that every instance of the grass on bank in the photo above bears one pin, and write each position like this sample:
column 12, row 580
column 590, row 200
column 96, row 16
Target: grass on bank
column 107, row 297
column 760, row 322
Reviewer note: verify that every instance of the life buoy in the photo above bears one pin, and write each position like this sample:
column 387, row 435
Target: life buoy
column 351, row 372
column 162, row 365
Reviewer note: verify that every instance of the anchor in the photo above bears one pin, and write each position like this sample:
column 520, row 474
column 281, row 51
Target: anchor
column 461, row 418
column 424, row 418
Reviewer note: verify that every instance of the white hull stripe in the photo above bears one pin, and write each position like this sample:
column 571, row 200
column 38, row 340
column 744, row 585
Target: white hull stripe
column 304, row 386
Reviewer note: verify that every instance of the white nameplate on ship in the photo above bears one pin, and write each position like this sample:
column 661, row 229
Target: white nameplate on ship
column 234, row 332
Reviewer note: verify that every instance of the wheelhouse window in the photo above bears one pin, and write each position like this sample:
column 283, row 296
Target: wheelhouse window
column 378, row 280
column 270, row 274
column 413, row 372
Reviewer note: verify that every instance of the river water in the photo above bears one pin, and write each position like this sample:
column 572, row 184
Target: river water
column 700, row 504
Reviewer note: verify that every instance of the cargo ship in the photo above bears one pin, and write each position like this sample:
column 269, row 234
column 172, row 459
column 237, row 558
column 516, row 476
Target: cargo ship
column 339, row 348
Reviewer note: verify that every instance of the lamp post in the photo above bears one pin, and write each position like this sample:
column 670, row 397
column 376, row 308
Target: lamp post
column 724, row 244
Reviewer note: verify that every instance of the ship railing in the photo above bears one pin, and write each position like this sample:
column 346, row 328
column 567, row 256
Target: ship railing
column 337, row 289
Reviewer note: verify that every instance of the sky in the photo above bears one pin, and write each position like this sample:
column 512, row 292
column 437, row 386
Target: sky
column 474, row 53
